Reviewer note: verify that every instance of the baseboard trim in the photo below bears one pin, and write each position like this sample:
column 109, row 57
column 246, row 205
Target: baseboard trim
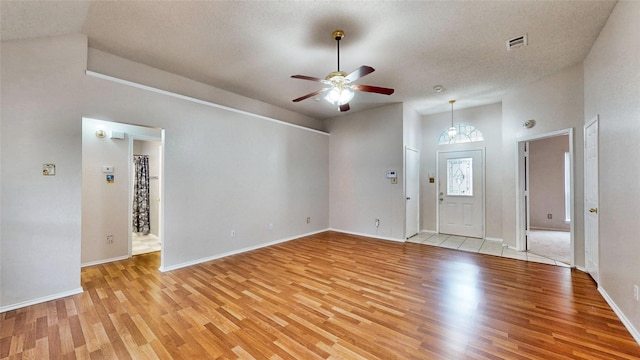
column 41, row 300
column 625, row 321
column 367, row 235
column 104, row 261
column 486, row 238
column 549, row 229
column 235, row 252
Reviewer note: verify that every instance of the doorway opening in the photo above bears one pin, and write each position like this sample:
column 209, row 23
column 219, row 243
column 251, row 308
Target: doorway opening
column 545, row 188
column 145, row 190
column 107, row 189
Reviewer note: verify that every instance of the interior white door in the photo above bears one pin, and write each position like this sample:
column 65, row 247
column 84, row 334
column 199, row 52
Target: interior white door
column 591, row 198
column 461, row 193
column 412, row 188
column 527, row 199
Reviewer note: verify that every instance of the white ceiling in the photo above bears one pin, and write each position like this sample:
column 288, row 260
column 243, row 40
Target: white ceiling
column 252, row 48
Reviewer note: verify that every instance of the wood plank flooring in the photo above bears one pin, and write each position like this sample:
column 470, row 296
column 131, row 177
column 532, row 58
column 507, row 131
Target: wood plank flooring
column 327, row 296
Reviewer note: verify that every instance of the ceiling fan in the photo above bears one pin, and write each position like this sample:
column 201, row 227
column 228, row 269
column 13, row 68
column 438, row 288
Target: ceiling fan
column 340, row 84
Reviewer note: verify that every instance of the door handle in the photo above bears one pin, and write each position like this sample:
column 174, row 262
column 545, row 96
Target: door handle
column 408, row 198
column 593, row 210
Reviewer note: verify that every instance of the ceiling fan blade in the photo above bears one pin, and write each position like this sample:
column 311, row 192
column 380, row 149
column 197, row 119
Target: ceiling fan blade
column 360, row 72
column 310, row 95
column 305, row 77
column 344, row 107
column 373, row 89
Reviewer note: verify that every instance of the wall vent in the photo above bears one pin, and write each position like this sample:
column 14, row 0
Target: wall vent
column 516, row 42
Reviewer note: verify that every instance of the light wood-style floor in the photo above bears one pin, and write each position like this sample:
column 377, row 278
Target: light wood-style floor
column 327, row 296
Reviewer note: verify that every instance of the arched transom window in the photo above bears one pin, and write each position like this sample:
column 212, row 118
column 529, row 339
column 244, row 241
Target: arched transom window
column 464, row 133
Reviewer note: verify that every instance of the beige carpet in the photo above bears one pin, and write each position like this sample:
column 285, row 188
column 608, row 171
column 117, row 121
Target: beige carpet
column 555, row 245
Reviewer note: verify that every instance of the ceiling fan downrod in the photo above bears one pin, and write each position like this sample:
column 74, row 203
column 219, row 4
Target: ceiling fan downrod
column 338, row 35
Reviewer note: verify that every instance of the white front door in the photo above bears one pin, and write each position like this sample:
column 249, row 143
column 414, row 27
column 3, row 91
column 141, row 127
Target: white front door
column 412, row 189
column 461, row 193
column 591, row 198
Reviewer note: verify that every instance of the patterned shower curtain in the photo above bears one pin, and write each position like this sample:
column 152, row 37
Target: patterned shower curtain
column 141, row 194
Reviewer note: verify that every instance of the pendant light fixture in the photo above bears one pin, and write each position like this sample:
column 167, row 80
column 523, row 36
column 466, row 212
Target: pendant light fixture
column 452, row 132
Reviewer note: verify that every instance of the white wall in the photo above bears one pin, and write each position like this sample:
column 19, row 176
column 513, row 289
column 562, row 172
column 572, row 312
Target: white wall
column 108, row 64
column 224, row 170
column 364, row 145
column 41, row 87
column 487, row 119
column 612, row 91
column 546, row 183
column 555, row 103
column 412, row 128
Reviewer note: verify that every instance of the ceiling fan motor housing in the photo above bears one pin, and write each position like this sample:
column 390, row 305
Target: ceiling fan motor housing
column 335, row 75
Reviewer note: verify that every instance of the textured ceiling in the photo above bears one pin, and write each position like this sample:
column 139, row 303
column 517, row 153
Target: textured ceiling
column 252, row 48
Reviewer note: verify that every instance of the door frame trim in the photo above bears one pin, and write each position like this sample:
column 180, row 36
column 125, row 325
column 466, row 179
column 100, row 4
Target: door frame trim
column 484, row 183
column 520, row 203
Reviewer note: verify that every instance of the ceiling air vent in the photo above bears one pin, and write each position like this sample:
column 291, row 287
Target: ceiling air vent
column 516, row 42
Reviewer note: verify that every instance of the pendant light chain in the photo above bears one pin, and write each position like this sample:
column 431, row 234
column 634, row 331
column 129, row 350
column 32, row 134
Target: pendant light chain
column 452, row 102
column 452, row 132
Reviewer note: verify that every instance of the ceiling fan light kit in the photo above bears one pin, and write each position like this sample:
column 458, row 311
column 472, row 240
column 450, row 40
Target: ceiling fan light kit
column 341, row 90
column 339, row 96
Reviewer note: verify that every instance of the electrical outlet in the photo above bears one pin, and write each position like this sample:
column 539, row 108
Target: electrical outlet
column 270, row 226
column 377, row 222
column 233, row 233
column 109, row 239
column 636, row 293
column 308, row 219
column 549, row 216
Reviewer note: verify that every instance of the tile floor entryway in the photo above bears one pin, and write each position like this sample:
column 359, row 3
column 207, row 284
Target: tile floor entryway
column 142, row 244
column 480, row 246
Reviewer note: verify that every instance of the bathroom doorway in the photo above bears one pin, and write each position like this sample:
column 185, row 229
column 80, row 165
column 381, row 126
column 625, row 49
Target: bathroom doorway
column 145, row 190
